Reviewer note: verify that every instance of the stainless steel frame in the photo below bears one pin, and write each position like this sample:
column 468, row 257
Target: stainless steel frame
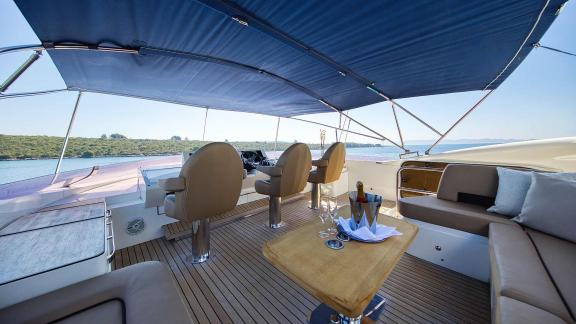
column 379, row 93
column 21, row 48
column 275, row 213
column 14, row 76
column 30, row 94
column 52, row 46
column 521, row 46
column 110, row 235
column 70, row 125
column 382, row 137
column 325, row 125
column 276, row 137
column 315, row 195
column 200, row 241
column 458, row 121
column 205, row 122
column 397, row 124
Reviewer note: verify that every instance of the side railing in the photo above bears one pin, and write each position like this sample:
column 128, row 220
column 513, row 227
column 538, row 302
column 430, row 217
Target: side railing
column 109, row 230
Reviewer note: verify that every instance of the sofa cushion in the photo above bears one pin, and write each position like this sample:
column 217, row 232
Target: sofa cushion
column 512, row 311
column 146, row 290
column 550, row 206
column 477, row 180
column 512, row 188
column 461, row 216
column 518, row 272
column 110, row 312
column 559, row 257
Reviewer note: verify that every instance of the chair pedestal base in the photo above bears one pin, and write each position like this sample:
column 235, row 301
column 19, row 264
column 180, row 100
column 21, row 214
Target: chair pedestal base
column 275, row 212
column 324, row 314
column 315, row 202
column 200, row 241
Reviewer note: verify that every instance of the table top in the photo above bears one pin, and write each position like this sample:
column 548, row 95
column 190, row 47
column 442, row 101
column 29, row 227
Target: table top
column 345, row 279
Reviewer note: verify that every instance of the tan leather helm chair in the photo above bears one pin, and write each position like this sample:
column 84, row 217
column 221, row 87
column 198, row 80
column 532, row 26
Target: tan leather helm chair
column 209, row 184
column 287, row 177
column 328, row 169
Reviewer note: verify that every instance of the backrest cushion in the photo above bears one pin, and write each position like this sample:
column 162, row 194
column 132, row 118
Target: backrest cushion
column 213, row 182
column 512, row 188
column 550, row 206
column 466, row 180
column 296, row 163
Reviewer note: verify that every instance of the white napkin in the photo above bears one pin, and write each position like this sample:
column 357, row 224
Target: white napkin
column 364, row 233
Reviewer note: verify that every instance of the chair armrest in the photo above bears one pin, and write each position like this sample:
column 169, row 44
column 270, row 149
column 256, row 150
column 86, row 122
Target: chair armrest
column 320, row 163
column 172, row 184
column 272, row 171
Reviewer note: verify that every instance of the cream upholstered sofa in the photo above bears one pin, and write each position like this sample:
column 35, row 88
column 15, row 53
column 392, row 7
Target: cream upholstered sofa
column 532, row 273
column 144, row 293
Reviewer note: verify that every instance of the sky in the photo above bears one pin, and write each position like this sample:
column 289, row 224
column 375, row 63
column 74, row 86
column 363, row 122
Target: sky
column 537, row 101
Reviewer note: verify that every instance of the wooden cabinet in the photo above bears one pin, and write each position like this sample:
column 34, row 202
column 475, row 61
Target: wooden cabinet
column 416, row 178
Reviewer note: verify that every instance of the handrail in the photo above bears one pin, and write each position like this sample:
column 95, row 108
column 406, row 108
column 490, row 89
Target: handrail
column 110, row 237
column 92, row 172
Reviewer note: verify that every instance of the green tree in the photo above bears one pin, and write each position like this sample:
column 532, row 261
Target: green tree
column 87, row 154
column 117, row 136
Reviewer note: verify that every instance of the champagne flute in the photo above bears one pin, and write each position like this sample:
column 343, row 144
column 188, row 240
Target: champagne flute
column 323, row 214
column 332, row 210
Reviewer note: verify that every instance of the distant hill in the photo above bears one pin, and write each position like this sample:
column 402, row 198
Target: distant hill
column 13, row 147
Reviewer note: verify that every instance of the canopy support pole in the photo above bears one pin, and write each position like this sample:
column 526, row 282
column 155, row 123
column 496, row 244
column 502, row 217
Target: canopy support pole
column 333, row 127
column 30, row 94
column 340, row 126
column 276, row 137
column 21, row 48
column 12, row 78
column 70, row 125
column 397, row 124
column 458, row 121
column 347, row 130
column 205, row 122
column 382, row 137
column 394, row 103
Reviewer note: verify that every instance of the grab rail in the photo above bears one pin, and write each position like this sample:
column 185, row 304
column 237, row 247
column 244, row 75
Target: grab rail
column 110, row 236
column 92, row 172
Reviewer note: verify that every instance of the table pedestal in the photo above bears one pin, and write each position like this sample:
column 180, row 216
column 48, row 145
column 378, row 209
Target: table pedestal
column 323, row 313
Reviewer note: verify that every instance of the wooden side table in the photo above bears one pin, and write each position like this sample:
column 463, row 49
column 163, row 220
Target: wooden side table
column 345, row 280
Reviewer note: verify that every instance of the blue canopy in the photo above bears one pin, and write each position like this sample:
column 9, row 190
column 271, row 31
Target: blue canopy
column 288, row 57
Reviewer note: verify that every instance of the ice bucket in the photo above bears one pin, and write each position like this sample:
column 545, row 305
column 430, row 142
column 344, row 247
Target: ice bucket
column 369, row 208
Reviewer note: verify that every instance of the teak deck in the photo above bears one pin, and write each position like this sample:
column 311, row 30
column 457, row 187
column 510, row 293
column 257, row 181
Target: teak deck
column 238, row 285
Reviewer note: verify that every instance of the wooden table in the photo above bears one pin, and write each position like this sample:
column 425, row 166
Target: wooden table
column 346, row 280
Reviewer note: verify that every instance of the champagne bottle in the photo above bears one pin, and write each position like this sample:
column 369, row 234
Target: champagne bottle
column 361, row 197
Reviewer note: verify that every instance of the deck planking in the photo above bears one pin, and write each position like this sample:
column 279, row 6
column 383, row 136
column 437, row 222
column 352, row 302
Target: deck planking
column 238, row 285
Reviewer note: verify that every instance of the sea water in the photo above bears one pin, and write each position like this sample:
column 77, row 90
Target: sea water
column 16, row 170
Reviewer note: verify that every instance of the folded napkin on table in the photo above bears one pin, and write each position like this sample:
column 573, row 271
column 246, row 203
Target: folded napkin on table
column 362, row 232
